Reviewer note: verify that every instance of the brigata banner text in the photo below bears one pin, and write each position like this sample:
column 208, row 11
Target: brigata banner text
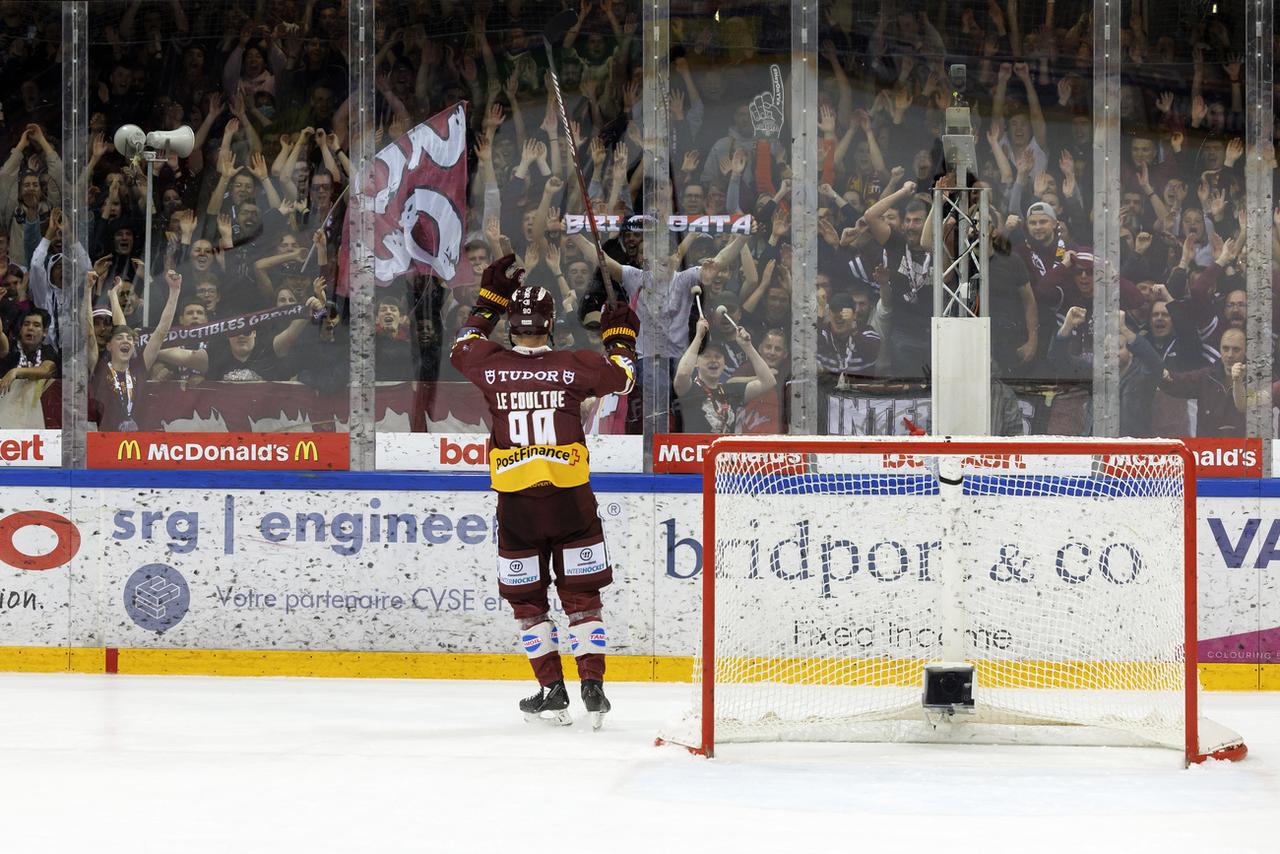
column 277, row 451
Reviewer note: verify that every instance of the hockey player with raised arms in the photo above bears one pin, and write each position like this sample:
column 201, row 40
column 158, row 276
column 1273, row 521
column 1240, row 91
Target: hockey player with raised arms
column 548, row 525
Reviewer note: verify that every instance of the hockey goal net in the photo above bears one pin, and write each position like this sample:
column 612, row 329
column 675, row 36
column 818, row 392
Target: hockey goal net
column 1061, row 571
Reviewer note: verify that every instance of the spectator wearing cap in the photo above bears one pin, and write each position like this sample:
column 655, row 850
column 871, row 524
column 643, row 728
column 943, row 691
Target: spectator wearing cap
column 707, row 403
column 1042, row 245
column 102, row 326
column 1067, row 285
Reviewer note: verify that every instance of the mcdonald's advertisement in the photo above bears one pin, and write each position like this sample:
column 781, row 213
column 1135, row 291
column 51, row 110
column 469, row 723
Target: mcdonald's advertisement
column 242, row 451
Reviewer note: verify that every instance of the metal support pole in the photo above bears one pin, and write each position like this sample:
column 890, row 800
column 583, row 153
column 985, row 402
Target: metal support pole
column 75, row 225
column 146, row 241
column 656, row 367
column 1106, row 217
column 803, row 392
column 963, row 290
column 984, row 252
column 973, row 256
column 360, row 23
column 1259, row 263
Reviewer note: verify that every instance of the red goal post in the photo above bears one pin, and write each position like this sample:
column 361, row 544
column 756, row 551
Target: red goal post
column 871, row 473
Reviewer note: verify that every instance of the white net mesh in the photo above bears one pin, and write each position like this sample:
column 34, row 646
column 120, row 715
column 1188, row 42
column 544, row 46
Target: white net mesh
column 839, row 575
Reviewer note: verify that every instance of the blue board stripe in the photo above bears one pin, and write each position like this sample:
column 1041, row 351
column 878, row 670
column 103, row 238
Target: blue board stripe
column 442, row 482
column 385, row 481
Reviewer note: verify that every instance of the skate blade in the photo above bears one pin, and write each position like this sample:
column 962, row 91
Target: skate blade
column 560, row 718
column 597, row 720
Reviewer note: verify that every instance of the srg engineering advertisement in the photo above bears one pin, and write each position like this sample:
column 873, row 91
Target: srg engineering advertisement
column 401, row 571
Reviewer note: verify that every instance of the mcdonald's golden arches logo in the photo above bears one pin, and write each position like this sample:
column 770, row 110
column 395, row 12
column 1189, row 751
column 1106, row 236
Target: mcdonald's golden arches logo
column 129, row 450
column 306, row 450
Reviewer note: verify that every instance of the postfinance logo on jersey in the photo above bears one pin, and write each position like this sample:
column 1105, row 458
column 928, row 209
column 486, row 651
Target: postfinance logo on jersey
column 514, row 469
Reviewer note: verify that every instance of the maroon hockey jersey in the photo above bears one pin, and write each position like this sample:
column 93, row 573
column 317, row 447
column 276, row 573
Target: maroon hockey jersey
column 535, row 400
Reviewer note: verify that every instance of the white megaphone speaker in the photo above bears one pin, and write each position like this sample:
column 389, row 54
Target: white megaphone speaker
column 129, row 141
column 180, row 141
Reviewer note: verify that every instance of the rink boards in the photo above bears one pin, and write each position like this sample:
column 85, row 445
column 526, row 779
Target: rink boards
column 393, row 575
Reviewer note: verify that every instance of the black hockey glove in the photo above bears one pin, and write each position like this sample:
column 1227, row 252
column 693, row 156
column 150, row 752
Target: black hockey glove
column 497, row 284
column 620, row 326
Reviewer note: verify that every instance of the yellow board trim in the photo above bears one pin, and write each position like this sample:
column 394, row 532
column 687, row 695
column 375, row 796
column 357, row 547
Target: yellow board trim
column 443, row 665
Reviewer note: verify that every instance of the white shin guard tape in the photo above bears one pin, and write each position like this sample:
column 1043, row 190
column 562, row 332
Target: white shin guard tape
column 588, row 637
column 540, row 640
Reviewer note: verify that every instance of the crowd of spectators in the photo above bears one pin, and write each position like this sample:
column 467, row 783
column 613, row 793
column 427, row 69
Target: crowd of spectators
column 252, row 219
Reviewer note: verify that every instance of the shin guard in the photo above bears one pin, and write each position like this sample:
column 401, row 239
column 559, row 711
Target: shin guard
column 541, row 643
column 588, row 641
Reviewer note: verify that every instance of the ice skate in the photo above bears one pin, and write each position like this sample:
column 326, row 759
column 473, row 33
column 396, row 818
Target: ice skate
column 550, row 704
column 596, row 702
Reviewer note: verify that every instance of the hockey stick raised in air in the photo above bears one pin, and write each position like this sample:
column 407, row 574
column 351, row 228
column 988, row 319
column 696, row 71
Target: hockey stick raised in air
column 554, row 32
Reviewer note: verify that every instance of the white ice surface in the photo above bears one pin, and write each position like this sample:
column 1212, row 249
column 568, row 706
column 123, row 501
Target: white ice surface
column 188, row 764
